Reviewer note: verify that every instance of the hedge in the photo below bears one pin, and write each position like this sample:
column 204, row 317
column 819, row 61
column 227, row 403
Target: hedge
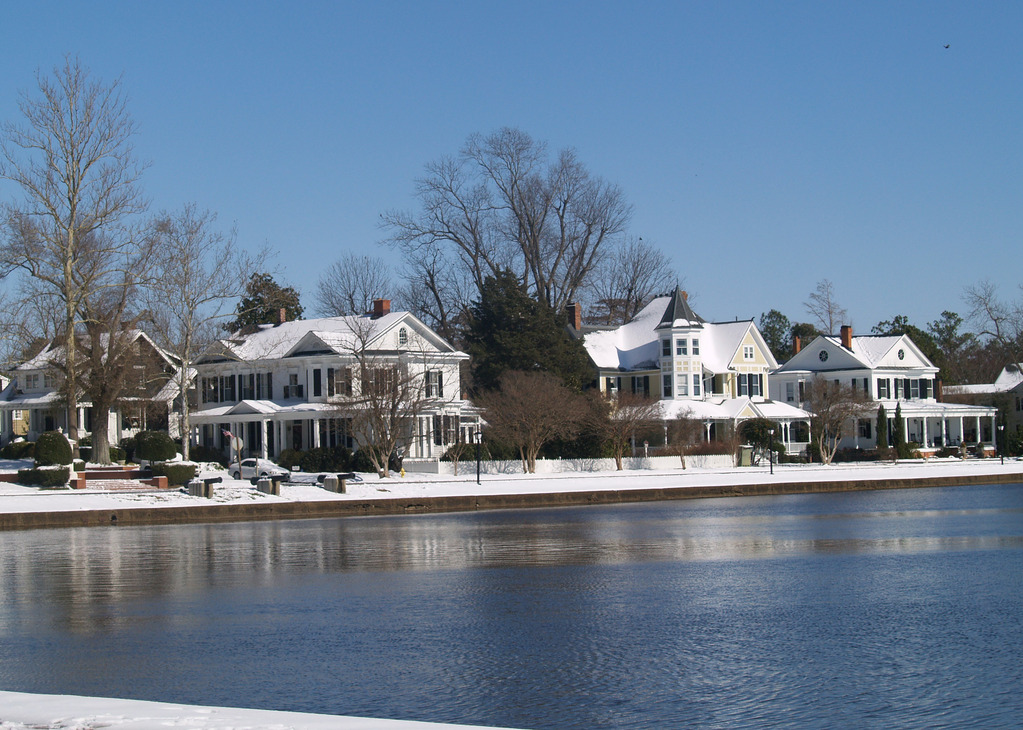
column 19, row 450
column 177, row 474
column 44, row 477
column 154, row 446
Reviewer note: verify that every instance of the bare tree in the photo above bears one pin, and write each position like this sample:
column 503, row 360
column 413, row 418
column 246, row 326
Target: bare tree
column 503, row 204
column 835, row 408
column 618, row 417
column 625, row 280
column 823, row 307
column 685, row 432
column 350, row 284
column 531, row 409
column 997, row 319
column 436, row 292
column 73, row 160
column 382, row 396
column 199, row 272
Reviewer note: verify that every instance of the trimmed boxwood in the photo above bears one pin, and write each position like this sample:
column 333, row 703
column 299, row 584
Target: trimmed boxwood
column 44, row 477
column 19, row 450
column 53, row 449
column 154, row 446
column 116, row 454
column 177, row 474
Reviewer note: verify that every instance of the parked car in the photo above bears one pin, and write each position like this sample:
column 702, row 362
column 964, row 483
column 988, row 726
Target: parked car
column 256, row 468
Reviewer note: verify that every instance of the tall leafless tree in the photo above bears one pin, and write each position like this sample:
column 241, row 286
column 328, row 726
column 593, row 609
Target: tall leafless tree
column 502, row 203
column 73, row 160
column 997, row 319
column 199, row 272
column 825, row 309
column 350, row 284
column 628, row 277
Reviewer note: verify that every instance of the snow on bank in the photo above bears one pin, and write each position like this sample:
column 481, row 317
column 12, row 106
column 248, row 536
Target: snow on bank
column 21, row 711
column 17, row 498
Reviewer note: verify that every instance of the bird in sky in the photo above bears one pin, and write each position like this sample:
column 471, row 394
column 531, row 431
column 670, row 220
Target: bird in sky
column 948, row 45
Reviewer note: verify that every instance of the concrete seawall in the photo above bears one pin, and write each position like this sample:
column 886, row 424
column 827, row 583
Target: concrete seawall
column 213, row 513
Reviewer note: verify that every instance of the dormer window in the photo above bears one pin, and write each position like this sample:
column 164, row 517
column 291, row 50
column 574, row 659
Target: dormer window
column 747, row 352
column 402, row 336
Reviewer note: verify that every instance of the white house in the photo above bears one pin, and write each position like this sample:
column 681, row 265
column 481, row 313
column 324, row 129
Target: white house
column 890, row 370
column 1005, row 394
column 278, row 387
column 31, row 404
column 717, row 372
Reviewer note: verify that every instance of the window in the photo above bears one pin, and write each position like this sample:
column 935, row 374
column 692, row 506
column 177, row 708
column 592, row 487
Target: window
column 681, row 347
column 914, row 388
column 293, row 389
column 403, row 336
column 665, row 348
column 696, row 377
column 641, row 385
column 612, row 385
column 667, row 385
column 790, row 392
column 743, row 385
column 864, row 428
column 683, row 385
column 756, row 388
column 802, row 391
column 16, row 415
column 747, row 352
column 434, row 384
column 47, row 380
column 696, row 350
column 882, row 389
column 749, row 384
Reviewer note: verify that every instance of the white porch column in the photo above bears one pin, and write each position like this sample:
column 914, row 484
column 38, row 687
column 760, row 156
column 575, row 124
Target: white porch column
column 316, row 433
column 925, row 432
column 263, row 434
column 977, row 419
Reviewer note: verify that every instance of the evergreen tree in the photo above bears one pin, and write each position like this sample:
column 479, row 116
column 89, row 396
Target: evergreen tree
column 776, row 329
column 882, row 427
column 263, row 301
column 509, row 330
column 900, row 433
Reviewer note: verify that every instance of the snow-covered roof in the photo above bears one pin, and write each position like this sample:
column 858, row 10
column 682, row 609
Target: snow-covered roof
column 730, row 409
column 635, row 345
column 329, row 334
column 54, row 351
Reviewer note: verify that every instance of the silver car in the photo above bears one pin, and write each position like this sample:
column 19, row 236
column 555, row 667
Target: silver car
column 257, row 468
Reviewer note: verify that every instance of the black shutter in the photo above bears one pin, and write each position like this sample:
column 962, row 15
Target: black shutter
column 317, row 385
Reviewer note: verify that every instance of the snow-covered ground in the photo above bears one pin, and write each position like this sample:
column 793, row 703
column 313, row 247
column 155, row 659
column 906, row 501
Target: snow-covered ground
column 17, row 498
column 24, row 711
column 20, row 711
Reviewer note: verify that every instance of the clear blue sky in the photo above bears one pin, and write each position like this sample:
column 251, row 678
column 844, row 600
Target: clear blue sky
column 764, row 145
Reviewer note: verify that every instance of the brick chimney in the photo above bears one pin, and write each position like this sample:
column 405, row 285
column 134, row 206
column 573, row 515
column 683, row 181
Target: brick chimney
column 575, row 315
column 381, row 307
column 797, row 344
column 282, row 315
column 847, row 337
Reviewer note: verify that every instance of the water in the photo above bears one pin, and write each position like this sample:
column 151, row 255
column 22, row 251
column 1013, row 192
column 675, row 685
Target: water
column 870, row 609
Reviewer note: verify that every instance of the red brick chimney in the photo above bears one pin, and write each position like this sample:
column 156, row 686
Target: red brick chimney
column 381, row 307
column 282, row 315
column 797, row 344
column 847, row 337
column 575, row 315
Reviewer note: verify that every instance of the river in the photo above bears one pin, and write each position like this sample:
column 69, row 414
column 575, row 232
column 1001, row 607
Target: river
column 886, row 609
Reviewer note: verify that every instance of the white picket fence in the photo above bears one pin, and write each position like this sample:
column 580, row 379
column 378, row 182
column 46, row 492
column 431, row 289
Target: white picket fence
column 559, row 466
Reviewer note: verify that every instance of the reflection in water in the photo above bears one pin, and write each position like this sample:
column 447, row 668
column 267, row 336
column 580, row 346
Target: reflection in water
column 896, row 606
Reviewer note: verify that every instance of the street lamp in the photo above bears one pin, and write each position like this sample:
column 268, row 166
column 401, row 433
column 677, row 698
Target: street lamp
column 479, row 437
column 770, row 448
column 1001, row 442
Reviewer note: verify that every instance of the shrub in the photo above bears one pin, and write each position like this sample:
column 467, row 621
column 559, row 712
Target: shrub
column 18, row 450
column 85, row 452
column 361, row 462
column 336, row 458
column 52, row 449
column 128, row 444
column 154, row 446
column 207, row 453
column 44, row 477
column 289, row 458
column 176, row 474
column 116, row 454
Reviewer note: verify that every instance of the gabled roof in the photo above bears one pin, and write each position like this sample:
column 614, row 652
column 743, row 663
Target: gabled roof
column 868, row 351
column 323, row 335
column 53, row 352
column 678, row 313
